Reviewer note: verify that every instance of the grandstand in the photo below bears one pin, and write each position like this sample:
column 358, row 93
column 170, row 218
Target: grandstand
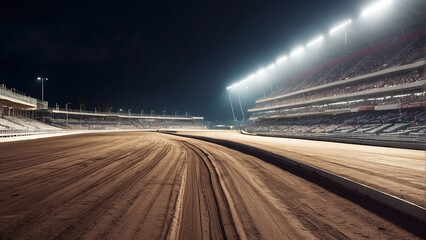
column 85, row 120
column 401, row 122
column 375, row 91
column 17, row 114
column 23, row 115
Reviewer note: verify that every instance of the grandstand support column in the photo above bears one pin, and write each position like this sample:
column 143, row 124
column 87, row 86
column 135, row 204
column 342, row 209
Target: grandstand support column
column 232, row 107
column 241, row 107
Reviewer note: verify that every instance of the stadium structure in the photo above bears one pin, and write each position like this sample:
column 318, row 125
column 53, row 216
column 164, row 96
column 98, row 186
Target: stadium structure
column 24, row 115
column 362, row 83
column 371, row 85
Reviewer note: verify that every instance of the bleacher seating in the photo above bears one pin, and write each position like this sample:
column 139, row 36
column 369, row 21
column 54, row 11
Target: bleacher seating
column 382, row 82
column 385, row 55
column 17, row 126
column 21, row 123
column 376, row 91
column 99, row 123
column 410, row 122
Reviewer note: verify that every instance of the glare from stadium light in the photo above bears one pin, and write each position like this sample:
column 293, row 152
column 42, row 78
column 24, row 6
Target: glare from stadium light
column 227, row 88
column 260, row 72
column 250, row 77
column 296, row 51
column 376, row 7
column 38, row 78
column 340, row 26
column 281, row 59
column 315, row 41
column 270, row 67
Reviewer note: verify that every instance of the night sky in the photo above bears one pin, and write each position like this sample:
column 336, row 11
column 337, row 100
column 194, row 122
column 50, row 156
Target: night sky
column 161, row 55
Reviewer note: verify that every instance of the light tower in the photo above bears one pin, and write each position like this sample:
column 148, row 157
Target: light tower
column 42, row 79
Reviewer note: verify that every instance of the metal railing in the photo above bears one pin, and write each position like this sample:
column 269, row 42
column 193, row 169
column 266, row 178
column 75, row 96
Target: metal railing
column 122, row 113
column 12, row 94
column 367, row 136
column 25, row 132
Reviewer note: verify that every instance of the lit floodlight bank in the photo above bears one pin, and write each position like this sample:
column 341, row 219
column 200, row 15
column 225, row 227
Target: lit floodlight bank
column 315, row 41
column 296, row 51
column 281, row 59
column 251, row 76
column 260, row 71
column 340, row 26
column 376, row 7
column 270, row 67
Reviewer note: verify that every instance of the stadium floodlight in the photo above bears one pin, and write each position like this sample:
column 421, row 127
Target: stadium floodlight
column 296, row 51
column 270, row 67
column 260, row 72
column 281, row 59
column 378, row 6
column 248, row 78
column 315, row 41
column 235, row 85
column 340, row 26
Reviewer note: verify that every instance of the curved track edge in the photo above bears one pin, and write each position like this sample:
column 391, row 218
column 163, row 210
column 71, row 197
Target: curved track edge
column 399, row 211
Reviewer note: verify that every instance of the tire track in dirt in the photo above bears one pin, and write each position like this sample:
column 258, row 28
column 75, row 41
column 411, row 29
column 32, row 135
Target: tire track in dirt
column 270, row 201
column 207, row 214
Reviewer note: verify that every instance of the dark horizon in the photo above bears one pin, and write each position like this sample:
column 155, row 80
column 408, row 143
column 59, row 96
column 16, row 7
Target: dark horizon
column 162, row 56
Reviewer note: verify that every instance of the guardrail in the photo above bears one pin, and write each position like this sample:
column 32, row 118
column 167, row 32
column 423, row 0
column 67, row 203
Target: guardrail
column 24, row 132
column 408, row 142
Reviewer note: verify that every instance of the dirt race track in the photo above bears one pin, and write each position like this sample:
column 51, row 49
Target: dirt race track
column 141, row 185
column 400, row 172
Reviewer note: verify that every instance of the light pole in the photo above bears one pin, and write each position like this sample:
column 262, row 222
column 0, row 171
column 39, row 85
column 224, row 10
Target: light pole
column 232, row 107
column 142, row 112
column 176, row 113
column 242, row 112
column 81, row 106
column 66, row 110
column 164, row 111
column 128, row 111
column 152, row 112
column 42, row 79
